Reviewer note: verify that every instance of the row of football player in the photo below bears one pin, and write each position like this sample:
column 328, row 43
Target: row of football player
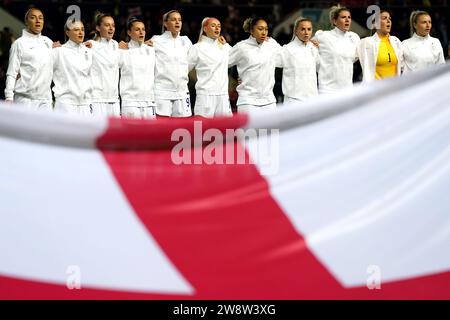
column 154, row 74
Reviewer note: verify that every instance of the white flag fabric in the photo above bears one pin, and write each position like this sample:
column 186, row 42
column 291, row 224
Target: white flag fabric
column 346, row 198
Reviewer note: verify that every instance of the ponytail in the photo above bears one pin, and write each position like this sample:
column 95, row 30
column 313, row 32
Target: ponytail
column 69, row 24
column 204, row 23
column 130, row 22
column 296, row 23
column 98, row 19
column 166, row 17
column 28, row 13
column 413, row 19
column 335, row 11
column 250, row 23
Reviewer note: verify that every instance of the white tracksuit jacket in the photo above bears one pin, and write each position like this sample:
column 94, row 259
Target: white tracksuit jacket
column 337, row 53
column 72, row 74
column 137, row 75
column 368, row 54
column 105, row 70
column 300, row 62
column 30, row 68
column 210, row 59
column 421, row 52
column 256, row 67
column 171, row 69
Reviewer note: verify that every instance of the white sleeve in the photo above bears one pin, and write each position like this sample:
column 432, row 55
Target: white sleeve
column 278, row 51
column 13, row 70
column 317, row 36
column 55, row 59
column 188, row 42
column 317, row 57
column 192, row 57
column 440, row 59
column 274, row 42
column 401, row 59
column 234, row 55
column 360, row 52
column 357, row 39
column 406, row 55
column 122, row 53
column 279, row 57
column 94, row 43
column 359, row 49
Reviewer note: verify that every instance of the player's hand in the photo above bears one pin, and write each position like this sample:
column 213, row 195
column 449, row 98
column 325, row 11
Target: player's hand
column 123, row 45
column 315, row 43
